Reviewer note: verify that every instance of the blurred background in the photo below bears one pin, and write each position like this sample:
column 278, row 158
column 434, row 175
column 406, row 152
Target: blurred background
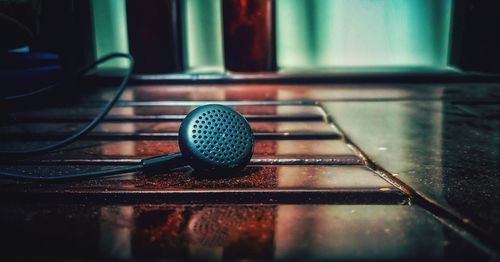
column 218, row 36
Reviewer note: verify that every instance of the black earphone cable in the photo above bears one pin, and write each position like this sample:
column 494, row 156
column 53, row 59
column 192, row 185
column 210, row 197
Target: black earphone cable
column 77, row 176
column 14, row 155
column 153, row 164
column 233, row 132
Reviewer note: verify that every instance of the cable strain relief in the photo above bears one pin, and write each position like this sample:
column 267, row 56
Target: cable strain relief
column 163, row 163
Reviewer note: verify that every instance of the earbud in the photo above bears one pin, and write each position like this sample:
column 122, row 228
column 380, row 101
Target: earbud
column 212, row 139
column 215, row 137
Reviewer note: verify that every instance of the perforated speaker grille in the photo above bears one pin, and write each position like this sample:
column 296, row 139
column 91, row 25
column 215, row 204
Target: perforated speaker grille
column 217, row 137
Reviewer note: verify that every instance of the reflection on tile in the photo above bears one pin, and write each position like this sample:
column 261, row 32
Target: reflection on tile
column 180, row 110
column 270, row 92
column 305, row 178
column 196, row 93
column 312, row 147
column 404, row 138
column 329, row 177
column 445, row 154
column 362, row 92
column 230, row 232
column 116, row 225
column 47, row 129
column 144, row 149
column 364, row 233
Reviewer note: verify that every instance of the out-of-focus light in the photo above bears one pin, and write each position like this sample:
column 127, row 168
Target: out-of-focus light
column 24, row 49
column 202, row 35
column 326, row 33
column 110, row 30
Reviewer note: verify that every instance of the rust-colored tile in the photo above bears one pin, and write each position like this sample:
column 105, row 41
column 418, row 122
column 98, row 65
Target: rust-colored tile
column 271, row 92
column 302, row 148
column 282, row 184
column 253, row 177
column 231, row 232
column 255, row 110
column 194, row 93
column 145, row 149
column 211, row 232
column 60, row 129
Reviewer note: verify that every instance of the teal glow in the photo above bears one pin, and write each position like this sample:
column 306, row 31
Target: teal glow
column 202, row 35
column 110, row 29
column 24, row 49
column 326, row 33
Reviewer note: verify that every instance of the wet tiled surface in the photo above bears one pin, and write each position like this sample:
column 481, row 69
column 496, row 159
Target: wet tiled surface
column 166, row 113
column 131, row 111
column 262, row 184
column 229, row 232
column 282, row 92
column 163, row 130
column 445, row 154
column 308, row 192
column 101, row 150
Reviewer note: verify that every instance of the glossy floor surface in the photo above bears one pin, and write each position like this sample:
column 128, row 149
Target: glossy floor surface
column 350, row 172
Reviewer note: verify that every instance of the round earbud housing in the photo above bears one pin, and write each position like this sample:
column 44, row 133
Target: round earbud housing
column 216, row 138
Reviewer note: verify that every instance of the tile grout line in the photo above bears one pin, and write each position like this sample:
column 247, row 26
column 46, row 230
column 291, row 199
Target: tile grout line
column 441, row 213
